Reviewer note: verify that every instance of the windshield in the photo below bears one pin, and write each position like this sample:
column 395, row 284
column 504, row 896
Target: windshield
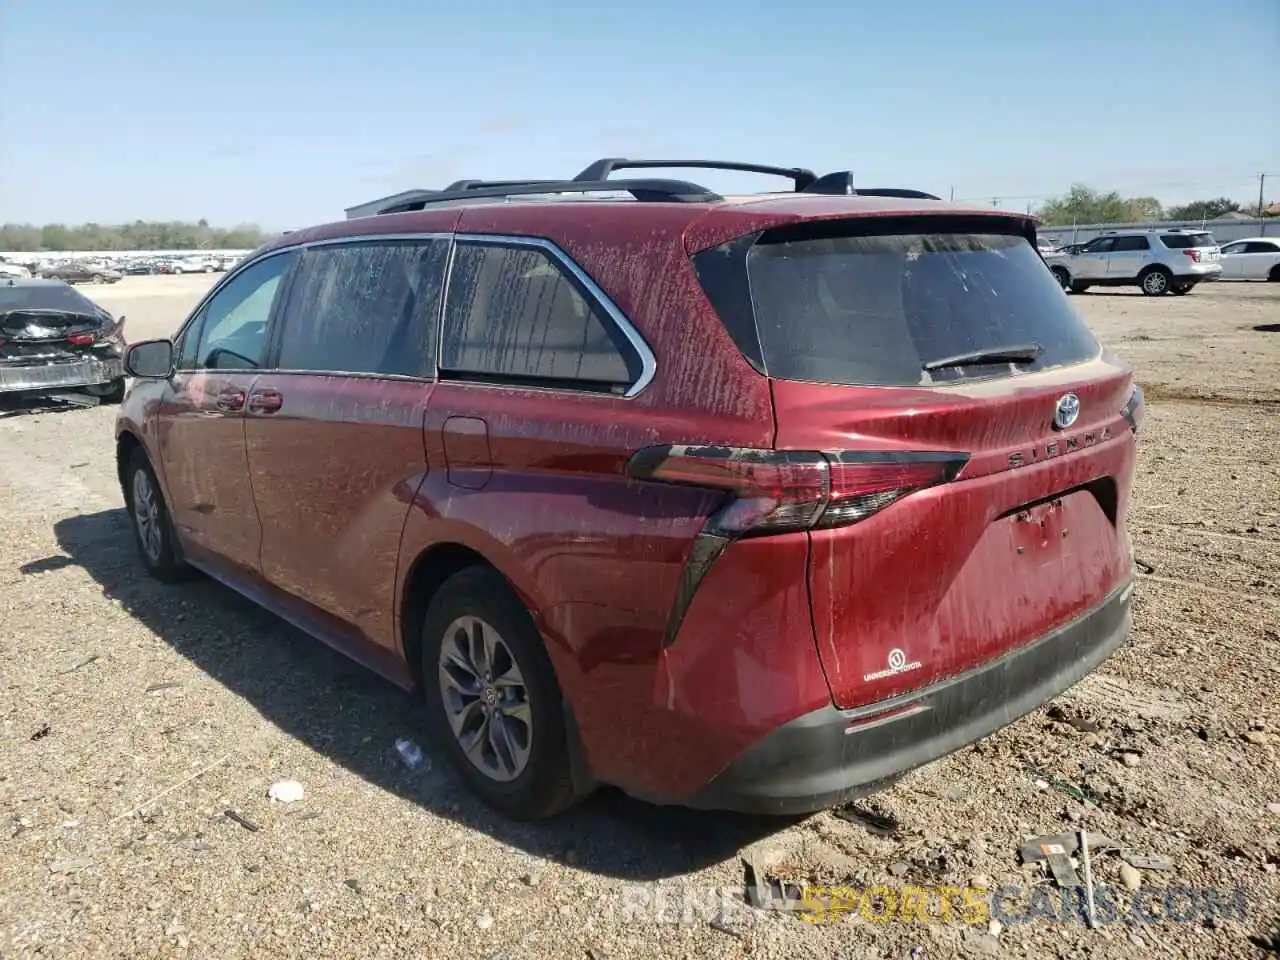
column 877, row 309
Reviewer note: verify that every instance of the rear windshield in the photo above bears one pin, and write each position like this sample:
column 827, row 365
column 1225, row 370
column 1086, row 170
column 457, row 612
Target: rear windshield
column 876, row 309
column 46, row 296
column 1184, row 241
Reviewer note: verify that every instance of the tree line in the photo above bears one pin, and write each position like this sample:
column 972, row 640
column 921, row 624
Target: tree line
column 139, row 235
column 1081, row 204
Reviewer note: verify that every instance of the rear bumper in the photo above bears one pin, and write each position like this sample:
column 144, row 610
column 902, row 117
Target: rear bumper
column 1201, row 273
column 829, row 756
column 60, row 375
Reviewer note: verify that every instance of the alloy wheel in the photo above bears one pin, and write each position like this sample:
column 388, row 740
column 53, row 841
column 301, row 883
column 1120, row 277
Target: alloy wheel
column 485, row 699
column 1155, row 282
column 146, row 514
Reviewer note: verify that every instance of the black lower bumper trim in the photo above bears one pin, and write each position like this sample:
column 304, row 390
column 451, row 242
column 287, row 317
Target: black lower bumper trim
column 830, row 756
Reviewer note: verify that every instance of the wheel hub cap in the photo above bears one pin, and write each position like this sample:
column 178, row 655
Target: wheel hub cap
column 146, row 514
column 485, row 699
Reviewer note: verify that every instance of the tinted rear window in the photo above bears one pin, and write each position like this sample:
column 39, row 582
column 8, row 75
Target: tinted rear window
column 1185, row 241
column 46, row 296
column 874, row 309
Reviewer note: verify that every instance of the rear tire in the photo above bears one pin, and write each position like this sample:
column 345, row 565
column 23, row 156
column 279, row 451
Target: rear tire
column 97, row 278
column 112, row 392
column 1181, row 289
column 489, row 684
column 1156, row 282
column 152, row 529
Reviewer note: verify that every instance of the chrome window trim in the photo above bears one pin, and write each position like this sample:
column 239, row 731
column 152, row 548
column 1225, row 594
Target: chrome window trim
column 648, row 362
column 432, row 375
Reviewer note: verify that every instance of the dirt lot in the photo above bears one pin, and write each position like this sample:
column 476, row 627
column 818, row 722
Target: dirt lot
column 133, row 715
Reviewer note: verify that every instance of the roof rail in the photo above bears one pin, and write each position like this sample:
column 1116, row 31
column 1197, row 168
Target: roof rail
column 650, row 191
column 478, row 184
column 900, row 192
column 601, row 169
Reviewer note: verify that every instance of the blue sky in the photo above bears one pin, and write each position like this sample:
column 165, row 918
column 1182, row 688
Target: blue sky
column 282, row 112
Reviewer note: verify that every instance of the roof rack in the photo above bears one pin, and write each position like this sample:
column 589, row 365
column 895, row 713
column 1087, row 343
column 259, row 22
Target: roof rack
column 595, row 179
column 601, row 169
column 670, row 191
column 839, row 183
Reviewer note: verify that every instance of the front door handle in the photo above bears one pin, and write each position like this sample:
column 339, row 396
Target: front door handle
column 231, row 400
column 265, row 401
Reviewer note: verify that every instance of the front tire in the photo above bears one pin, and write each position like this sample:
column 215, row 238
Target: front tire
column 1274, row 275
column 1063, row 278
column 152, row 529
column 1156, row 282
column 493, row 703
column 1181, row 289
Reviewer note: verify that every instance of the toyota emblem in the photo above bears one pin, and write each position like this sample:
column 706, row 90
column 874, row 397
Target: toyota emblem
column 1068, row 409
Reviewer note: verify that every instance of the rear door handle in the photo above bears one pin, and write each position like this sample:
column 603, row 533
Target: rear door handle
column 265, row 401
column 231, row 400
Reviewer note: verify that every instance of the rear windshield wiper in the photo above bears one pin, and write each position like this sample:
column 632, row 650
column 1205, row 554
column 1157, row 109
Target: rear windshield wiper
column 1017, row 353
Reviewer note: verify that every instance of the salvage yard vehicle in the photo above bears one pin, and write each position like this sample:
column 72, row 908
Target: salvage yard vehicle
column 55, row 339
column 77, row 271
column 1159, row 261
column 749, row 503
column 1257, row 258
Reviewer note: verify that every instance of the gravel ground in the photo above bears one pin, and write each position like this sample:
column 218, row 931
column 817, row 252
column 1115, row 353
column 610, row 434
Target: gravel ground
column 133, row 715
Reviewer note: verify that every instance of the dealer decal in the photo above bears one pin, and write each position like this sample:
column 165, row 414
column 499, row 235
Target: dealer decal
column 897, row 664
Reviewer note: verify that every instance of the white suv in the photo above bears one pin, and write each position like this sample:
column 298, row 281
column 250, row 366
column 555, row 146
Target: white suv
column 1164, row 261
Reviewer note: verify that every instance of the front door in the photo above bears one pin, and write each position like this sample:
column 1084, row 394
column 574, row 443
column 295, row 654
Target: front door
column 334, row 429
column 1127, row 257
column 1091, row 262
column 201, row 425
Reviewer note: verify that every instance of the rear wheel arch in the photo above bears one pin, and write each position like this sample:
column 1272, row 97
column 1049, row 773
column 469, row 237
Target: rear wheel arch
column 430, row 570
column 427, row 574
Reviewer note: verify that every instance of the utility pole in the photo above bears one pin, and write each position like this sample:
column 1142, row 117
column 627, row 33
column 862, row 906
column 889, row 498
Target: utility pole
column 953, row 193
column 1262, row 184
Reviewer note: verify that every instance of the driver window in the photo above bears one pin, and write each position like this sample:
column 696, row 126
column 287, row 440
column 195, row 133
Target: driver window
column 1099, row 246
column 233, row 325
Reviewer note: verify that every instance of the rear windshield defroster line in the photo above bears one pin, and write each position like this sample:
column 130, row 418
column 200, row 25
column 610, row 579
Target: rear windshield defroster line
column 874, row 302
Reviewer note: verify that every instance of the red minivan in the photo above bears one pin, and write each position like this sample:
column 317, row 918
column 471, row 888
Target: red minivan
column 750, row 503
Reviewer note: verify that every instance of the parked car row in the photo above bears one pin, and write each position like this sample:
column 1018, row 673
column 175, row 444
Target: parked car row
column 1159, row 261
column 110, row 269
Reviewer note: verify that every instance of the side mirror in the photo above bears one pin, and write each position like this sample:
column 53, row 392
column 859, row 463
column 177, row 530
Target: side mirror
column 149, row 359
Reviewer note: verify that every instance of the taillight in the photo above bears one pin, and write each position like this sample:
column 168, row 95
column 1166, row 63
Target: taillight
column 776, row 491
column 81, row 339
column 1193, row 254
